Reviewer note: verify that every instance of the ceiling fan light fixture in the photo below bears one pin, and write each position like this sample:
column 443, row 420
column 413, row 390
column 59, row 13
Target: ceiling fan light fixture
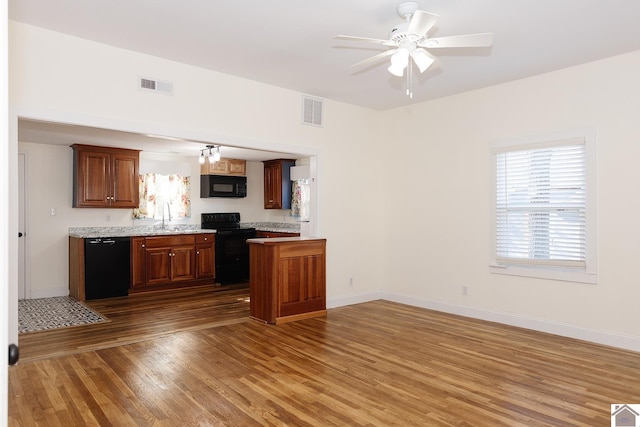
column 422, row 59
column 399, row 62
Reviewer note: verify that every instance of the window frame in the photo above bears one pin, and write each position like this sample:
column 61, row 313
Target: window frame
column 588, row 274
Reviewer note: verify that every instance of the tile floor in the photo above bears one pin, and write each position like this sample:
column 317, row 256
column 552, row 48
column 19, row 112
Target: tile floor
column 51, row 313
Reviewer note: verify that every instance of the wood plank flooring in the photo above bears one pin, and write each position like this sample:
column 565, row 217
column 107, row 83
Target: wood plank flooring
column 371, row 364
column 140, row 317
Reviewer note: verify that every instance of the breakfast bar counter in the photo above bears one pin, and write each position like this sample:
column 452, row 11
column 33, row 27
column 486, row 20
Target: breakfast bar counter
column 287, row 278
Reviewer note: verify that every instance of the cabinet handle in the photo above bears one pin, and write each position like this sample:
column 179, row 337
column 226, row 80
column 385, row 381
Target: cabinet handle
column 143, row 246
column 197, row 252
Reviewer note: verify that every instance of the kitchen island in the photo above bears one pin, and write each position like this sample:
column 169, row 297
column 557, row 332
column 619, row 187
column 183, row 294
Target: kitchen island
column 288, row 278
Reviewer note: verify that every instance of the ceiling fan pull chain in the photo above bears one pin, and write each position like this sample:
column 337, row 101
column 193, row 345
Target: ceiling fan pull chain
column 410, row 79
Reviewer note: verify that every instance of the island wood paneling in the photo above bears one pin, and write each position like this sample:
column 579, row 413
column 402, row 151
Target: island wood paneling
column 288, row 279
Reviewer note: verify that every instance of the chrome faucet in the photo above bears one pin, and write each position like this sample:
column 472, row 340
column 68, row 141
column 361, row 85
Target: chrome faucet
column 169, row 211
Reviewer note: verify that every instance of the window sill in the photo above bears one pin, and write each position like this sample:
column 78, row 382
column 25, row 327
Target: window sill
column 545, row 273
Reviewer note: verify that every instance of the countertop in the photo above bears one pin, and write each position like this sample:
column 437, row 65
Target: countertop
column 276, row 240
column 157, row 230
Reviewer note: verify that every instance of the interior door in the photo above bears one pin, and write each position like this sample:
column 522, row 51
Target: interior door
column 22, row 212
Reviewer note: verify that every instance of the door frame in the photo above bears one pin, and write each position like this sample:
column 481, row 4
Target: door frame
column 24, row 283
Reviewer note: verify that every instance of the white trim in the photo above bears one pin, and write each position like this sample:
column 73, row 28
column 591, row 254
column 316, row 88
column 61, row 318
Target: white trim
column 50, row 293
column 542, row 272
column 5, row 219
column 614, row 339
column 354, row 299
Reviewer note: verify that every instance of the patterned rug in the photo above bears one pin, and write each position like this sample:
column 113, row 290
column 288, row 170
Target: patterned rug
column 52, row 313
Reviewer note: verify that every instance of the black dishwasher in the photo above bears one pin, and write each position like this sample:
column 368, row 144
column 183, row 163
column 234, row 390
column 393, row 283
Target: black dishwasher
column 106, row 267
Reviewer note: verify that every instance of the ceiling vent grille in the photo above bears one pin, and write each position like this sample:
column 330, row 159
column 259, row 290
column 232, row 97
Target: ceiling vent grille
column 153, row 85
column 312, row 111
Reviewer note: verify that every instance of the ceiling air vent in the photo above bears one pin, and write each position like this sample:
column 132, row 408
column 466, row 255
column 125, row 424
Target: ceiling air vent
column 155, row 85
column 312, row 111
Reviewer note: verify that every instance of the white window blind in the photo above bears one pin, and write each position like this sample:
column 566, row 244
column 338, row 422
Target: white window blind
column 541, row 205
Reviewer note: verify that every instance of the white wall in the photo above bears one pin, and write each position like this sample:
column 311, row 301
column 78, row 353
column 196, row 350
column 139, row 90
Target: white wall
column 56, row 77
column 446, row 168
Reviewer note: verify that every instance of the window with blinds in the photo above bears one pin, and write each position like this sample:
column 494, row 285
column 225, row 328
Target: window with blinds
column 540, row 206
column 540, row 209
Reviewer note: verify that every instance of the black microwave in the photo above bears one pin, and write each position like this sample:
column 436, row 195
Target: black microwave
column 223, row 186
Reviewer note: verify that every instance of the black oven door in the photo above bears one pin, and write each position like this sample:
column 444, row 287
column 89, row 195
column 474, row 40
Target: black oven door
column 232, row 255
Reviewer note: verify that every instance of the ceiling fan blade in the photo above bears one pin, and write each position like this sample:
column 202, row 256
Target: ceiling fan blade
column 366, row 39
column 421, row 22
column 375, row 58
column 467, row 40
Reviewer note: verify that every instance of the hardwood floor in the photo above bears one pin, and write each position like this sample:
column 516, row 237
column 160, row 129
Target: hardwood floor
column 374, row 364
column 140, row 317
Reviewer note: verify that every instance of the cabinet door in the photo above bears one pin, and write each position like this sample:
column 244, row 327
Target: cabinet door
column 221, row 167
column 205, row 261
column 124, row 175
column 158, row 265
column 183, row 263
column 272, row 187
column 301, row 284
column 237, row 167
column 91, row 179
column 138, row 262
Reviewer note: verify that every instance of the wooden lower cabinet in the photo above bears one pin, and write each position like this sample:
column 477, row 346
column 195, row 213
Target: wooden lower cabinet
column 171, row 261
column 205, row 256
column 288, row 279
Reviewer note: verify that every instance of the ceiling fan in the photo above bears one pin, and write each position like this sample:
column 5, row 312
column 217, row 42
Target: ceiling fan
column 409, row 41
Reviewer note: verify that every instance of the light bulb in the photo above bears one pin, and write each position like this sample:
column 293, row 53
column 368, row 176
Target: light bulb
column 212, row 158
column 201, row 158
column 216, row 156
column 399, row 62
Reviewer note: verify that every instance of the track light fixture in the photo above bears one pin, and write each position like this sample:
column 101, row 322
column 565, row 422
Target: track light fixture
column 213, row 156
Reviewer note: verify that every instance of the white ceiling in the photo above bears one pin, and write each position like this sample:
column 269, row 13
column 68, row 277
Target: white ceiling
column 290, row 43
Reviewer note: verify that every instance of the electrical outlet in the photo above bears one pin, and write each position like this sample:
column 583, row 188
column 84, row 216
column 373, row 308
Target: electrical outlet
column 350, row 281
column 465, row 290
column 108, row 217
column 52, row 212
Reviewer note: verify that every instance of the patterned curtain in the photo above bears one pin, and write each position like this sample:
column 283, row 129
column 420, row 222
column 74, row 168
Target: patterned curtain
column 156, row 190
column 300, row 199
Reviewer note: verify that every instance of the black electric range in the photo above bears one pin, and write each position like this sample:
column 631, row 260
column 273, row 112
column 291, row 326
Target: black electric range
column 232, row 250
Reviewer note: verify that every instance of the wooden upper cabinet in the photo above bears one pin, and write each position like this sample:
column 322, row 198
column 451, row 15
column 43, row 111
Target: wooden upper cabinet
column 105, row 177
column 277, row 183
column 224, row 167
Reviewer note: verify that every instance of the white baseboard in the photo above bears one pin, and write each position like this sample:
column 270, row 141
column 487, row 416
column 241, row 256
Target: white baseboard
column 613, row 339
column 49, row 293
column 355, row 299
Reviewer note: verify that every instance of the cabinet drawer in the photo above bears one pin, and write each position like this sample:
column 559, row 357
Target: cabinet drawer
column 169, row 241
column 205, row 238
